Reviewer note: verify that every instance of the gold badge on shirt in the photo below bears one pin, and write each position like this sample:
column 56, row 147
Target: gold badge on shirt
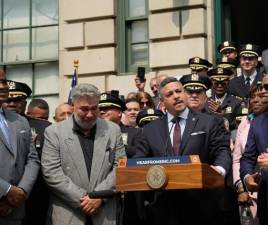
column 124, row 138
column 228, row 109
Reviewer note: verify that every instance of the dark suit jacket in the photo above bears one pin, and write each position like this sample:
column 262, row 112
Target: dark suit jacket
column 238, row 88
column 257, row 143
column 203, row 135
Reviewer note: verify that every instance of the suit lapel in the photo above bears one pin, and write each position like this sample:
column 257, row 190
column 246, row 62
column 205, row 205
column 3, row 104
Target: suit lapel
column 190, row 125
column 100, row 147
column 76, row 152
column 165, row 135
column 257, row 78
column 225, row 102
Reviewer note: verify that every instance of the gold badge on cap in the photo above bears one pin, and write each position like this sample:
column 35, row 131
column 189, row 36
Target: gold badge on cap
column 103, row 97
column 245, row 111
column 224, row 59
column 249, row 47
column 150, row 111
column 226, row 43
column 194, row 77
column 11, row 85
column 228, row 109
column 220, row 71
column 196, row 60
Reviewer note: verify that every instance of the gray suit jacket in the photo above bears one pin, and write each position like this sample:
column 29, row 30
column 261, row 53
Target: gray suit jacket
column 65, row 171
column 19, row 163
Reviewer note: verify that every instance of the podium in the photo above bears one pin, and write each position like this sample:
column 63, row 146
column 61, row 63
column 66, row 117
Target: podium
column 157, row 175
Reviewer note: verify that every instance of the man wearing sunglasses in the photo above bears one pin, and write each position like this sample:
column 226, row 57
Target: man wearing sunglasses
column 221, row 102
column 241, row 85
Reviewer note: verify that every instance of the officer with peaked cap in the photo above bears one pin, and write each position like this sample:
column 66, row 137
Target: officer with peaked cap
column 228, row 63
column 240, row 86
column 228, row 49
column 145, row 116
column 221, row 102
column 196, row 86
column 199, row 65
column 18, row 93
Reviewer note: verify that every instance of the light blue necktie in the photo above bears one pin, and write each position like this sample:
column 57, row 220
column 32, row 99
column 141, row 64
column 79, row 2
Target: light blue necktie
column 4, row 128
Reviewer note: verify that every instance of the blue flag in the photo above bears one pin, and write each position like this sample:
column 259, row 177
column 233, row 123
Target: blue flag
column 73, row 84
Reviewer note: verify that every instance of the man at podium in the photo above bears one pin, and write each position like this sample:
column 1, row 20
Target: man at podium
column 185, row 132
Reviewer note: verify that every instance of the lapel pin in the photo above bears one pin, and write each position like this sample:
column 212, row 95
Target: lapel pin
column 193, row 119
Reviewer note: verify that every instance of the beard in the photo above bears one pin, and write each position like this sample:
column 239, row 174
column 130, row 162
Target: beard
column 84, row 125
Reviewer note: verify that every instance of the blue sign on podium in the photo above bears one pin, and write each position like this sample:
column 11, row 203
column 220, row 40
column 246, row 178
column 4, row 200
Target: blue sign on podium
column 159, row 160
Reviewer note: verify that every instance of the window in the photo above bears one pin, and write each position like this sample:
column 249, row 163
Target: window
column 132, row 34
column 29, row 45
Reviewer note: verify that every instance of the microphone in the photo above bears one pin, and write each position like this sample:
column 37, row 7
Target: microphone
column 174, row 119
column 103, row 194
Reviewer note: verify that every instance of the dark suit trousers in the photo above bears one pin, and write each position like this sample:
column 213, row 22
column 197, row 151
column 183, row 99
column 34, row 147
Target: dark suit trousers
column 184, row 207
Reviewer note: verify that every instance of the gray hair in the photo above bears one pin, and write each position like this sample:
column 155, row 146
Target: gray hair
column 165, row 82
column 84, row 90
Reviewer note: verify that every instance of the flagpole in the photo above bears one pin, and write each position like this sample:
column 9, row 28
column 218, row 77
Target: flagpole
column 74, row 79
column 76, row 65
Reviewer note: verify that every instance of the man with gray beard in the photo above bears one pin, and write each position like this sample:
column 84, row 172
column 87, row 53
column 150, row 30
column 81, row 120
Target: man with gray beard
column 79, row 156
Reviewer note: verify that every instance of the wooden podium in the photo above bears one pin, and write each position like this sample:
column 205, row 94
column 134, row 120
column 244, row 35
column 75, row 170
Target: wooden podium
column 193, row 175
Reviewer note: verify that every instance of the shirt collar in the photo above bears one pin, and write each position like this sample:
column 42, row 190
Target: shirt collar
column 183, row 115
column 252, row 76
column 221, row 99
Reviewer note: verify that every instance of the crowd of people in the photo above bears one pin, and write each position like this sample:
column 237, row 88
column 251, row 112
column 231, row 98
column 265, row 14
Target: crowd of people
column 48, row 170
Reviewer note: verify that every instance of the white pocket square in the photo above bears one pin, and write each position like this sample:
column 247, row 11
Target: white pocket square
column 197, row 133
column 22, row 131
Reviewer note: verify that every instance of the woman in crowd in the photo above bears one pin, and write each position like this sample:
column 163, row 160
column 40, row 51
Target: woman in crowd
column 255, row 108
column 145, row 100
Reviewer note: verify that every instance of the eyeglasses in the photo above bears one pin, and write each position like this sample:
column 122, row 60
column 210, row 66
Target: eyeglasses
column 265, row 87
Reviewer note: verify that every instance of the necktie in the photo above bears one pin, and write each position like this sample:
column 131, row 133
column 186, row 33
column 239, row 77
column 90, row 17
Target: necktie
column 176, row 137
column 247, row 82
column 4, row 128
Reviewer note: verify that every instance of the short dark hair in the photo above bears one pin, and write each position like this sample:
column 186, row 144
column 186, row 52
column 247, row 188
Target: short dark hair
column 165, row 82
column 39, row 103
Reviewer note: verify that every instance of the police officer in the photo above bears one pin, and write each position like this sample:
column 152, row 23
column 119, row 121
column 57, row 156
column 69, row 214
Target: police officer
column 240, row 86
column 145, row 116
column 199, row 65
column 17, row 101
column 228, row 49
column 228, row 63
column 221, row 102
column 196, row 86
